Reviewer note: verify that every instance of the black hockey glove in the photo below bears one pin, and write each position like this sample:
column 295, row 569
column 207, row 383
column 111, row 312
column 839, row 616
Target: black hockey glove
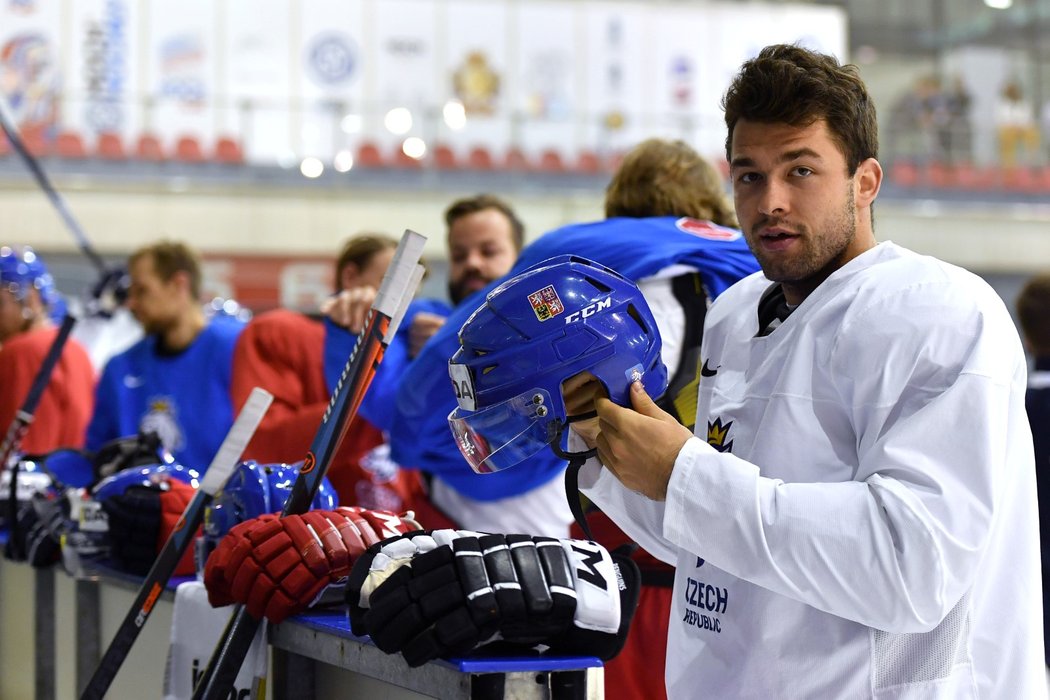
column 134, row 527
column 444, row 592
column 126, row 452
column 41, row 523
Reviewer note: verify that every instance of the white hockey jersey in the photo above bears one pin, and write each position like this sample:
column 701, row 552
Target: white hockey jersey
column 858, row 516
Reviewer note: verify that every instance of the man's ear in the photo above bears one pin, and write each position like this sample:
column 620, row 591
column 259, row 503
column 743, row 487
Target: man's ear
column 32, row 306
column 181, row 281
column 349, row 276
column 869, row 180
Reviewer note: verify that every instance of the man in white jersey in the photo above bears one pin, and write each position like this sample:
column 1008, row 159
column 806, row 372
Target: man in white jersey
column 856, row 516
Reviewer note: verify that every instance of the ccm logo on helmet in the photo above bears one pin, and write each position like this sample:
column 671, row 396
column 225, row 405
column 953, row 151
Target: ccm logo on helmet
column 589, row 310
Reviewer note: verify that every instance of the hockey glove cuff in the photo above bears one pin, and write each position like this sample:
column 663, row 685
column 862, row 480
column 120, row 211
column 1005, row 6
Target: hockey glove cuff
column 278, row 567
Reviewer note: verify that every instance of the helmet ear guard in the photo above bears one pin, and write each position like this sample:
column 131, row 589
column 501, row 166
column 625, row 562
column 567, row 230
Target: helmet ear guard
column 554, row 320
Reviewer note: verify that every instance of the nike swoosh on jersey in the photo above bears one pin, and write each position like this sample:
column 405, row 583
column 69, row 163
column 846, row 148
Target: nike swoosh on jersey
column 706, row 371
column 133, row 382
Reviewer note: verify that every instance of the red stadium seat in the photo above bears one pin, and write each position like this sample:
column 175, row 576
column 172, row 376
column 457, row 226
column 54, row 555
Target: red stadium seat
column 36, row 141
column 110, row 146
column 939, row 175
column 368, row 156
column 148, row 148
column 479, row 158
column 904, row 173
column 588, row 162
column 445, row 157
column 68, row 144
column 228, row 150
column 403, row 160
column 970, row 177
column 515, row 160
column 1020, row 179
column 188, row 150
column 551, row 162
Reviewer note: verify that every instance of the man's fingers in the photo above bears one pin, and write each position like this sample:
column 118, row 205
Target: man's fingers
column 580, row 400
column 424, row 326
column 610, row 413
column 642, row 402
column 576, row 381
column 350, row 307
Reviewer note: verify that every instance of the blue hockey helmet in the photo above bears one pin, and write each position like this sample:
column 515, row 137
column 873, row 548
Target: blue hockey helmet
column 254, row 489
column 22, row 270
column 558, row 318
column 88, row 532
column 150, row 475
column 69, row 467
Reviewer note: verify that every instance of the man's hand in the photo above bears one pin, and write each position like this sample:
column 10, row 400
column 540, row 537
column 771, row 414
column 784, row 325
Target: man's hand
column 579, row 393
column 424, row 325
column 639, row 447
column 349, row 308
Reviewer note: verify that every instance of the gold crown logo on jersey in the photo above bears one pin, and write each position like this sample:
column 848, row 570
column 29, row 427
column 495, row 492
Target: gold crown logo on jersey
column 717, row 434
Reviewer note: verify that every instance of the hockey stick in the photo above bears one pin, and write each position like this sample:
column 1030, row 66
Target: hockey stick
column 45, row 184
column 23, row 418
column 222, row 467
column 395, row 292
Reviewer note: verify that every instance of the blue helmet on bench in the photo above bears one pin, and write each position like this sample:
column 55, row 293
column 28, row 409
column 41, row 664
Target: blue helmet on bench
column 254, row 489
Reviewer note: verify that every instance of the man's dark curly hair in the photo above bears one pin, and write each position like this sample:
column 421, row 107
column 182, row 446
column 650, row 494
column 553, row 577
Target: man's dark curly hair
column 787, row 84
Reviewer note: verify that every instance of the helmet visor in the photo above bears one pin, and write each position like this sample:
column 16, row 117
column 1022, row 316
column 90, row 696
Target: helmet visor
column 502, row 435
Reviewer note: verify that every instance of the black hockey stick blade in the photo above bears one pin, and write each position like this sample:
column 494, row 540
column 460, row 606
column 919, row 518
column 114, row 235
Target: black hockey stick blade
column 223, row 465
column 17, row 430
column 395, row 292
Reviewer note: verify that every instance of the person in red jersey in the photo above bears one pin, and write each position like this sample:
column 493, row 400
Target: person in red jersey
column 28, row 304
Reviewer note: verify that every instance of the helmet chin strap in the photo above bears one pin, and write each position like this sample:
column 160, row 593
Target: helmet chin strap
column 572, row 472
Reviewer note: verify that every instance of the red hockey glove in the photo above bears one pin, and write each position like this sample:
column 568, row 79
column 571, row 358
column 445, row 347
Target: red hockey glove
column 278, row 567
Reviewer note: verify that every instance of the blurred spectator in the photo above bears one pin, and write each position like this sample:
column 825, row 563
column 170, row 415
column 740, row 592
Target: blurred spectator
column 1033, row 312
column 285, row 352
column 28, row 300
column 484, row 239
column 1015, row 127
column 954, row 128
column 913, row 122
column 176, row 380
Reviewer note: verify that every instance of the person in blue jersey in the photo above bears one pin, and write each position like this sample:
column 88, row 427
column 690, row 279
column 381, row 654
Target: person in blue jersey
column 484, row 236
column 671, row 228
column 176, row 380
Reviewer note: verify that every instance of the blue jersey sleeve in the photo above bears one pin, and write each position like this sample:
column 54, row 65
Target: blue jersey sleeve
column 103, row 425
